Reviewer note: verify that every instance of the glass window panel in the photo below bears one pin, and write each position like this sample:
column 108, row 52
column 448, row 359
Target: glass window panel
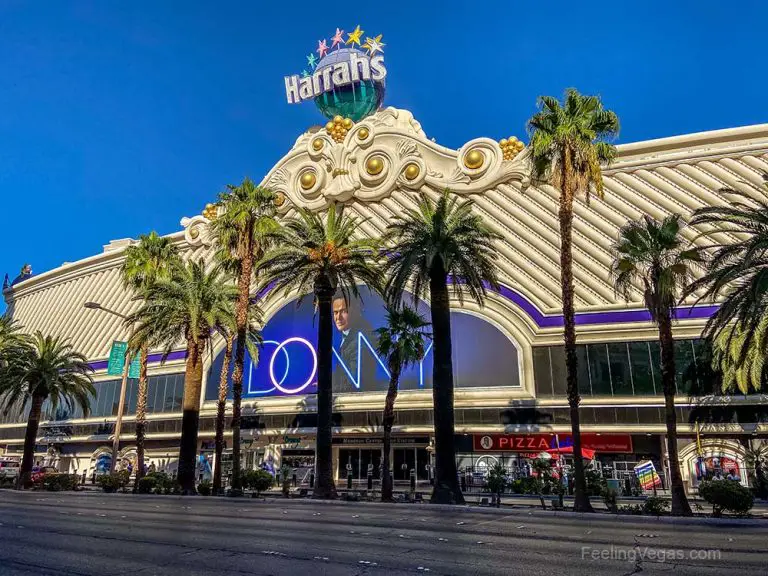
column 587, row 416
column 170, row 392
column 605, row 415
column 656, row 365
column 559, row 380
column 642, row 372
column 103, row 390
column 585, row 382
column 626, row 416
column 620, row 376
column 178, row 397
column 685, row 363
column 151, row 392
column 650, row 415
column 542, row 374
column 160, row 394
column 132, row 396
column 599, row 370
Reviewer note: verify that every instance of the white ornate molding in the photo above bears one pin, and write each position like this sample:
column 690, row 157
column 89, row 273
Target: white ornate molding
column 196, row 231
column 385, row 152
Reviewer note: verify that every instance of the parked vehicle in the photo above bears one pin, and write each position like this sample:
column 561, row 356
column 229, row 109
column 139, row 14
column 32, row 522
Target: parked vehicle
column 9, row 469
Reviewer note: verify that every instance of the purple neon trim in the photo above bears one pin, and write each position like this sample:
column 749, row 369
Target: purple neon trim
column 151, row 359
column 582, row 318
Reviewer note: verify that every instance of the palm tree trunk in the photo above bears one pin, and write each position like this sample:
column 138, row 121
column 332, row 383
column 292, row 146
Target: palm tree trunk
column 141, row 414
column 680, row 505
column 389, row 420
column 446, row 490
column 30, row 439
column 324, row 484
column 241, row 321
column 193, row 380
column 221, row 408
column 580, row 498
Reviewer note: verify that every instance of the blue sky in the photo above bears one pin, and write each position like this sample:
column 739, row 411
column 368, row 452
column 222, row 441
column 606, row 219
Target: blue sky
column 121, row 117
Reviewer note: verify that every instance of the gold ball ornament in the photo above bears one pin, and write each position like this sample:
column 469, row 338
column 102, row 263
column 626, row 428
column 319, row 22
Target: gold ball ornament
column 363, row 133
column 337, row 119
column 329, row 126
column 348, row 123
column 308, row 180
column 412, row 171
column 194, row 233
column 474, row 159
column 374, row 165
column 317, row 144
column 279, row 199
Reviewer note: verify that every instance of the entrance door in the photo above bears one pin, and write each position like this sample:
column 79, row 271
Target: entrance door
column 370, row 457
column 422, row 461
column 405, row 460
column 349, row 457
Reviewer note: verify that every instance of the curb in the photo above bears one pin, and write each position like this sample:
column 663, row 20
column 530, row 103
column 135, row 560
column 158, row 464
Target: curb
column 505, row 510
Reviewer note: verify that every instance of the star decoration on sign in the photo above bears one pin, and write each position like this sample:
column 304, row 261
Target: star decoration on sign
column 338, row 38
column 304, row 74
column 312, row 60
column 354, row 37
column 322, row 47
column 374, row 45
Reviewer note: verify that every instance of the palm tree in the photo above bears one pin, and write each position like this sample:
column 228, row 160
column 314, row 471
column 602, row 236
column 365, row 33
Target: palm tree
column 401, row 342
column 152, row 258
column 651, row 254
column 441, row 239
column 569, row 143
column 243, row 230
column 228, row 333
column 737, row 271
column 43, row 368
column 189, row 305
column 740, row 359
column 322, row 256
column 10, row 332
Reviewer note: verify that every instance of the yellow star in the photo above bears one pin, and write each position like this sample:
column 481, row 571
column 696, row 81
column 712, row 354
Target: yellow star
column 354, row 37
column 374, row 45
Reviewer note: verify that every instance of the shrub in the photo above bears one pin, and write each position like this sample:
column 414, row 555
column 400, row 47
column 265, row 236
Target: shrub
column 204, row 488
column 59, row 482
column 258, row 480
column 164, row 484
column 114, row 482
column 633, row 509
column 147, row 485
column 727, row 495
column 610, row 499
column 596, row 484
column 655, row 506
column 497, row 479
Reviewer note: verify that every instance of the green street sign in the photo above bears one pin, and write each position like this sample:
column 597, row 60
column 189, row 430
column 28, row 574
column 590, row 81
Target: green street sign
column 116, row 361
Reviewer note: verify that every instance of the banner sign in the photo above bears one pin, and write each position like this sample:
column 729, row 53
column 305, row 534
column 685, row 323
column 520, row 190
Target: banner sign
column 606, row 443
column 377, row 441
column 116, row 362
column 647, row 475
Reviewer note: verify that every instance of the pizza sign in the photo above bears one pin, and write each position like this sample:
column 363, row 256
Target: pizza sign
column 616, row 443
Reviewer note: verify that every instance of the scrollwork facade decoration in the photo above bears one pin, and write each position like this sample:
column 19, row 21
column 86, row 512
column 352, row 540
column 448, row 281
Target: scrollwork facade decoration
column 383, row 153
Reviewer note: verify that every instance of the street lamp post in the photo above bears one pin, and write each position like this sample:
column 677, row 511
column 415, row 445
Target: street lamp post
column 123, row 386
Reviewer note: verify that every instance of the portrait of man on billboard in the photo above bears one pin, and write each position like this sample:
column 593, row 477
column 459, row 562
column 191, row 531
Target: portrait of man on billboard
column 349, row 323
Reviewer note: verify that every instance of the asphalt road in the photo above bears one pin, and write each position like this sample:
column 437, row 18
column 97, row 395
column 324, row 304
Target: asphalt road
column 97, row 534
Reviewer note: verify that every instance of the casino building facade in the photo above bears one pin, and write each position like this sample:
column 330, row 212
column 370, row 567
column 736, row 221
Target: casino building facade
column 509, row 362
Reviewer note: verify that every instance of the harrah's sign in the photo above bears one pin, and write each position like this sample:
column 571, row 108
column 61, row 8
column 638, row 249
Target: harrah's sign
column 358, row 68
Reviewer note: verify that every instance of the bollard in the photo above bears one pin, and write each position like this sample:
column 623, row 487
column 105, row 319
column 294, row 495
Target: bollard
column 83, row 481
column 312, row 479
column 370, row 481
column 413, row 480
column 295, row 479
column 463, row 482
column 349, row 480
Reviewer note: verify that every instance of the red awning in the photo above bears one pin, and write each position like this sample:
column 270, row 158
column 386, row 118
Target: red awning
column 585, row 452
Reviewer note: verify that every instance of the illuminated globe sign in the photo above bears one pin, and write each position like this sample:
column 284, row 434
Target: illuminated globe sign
column 343, row 80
